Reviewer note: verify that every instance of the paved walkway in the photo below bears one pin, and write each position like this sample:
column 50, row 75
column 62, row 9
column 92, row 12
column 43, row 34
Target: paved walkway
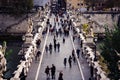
column 57, row 58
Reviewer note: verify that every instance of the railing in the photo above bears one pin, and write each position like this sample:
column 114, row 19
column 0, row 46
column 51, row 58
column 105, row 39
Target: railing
column 2, row 62
column 28, row 57
column 89, row 55
column 79, row 65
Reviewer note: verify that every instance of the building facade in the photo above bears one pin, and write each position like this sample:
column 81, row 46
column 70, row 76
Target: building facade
column 74, row 4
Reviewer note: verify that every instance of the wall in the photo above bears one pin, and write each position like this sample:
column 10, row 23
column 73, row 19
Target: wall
column 75, row 3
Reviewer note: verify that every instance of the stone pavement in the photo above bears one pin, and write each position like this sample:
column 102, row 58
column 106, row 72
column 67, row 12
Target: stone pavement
column 84, row 64
column 57, row 58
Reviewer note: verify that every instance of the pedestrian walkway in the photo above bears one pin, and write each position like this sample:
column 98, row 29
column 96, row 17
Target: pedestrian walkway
column 84, row 65
column 57, row 58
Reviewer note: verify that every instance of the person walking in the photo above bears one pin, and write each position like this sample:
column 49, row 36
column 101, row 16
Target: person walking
column 60, row 76
column 60, row 32
column 50, row 48
column 46, row 49
column 55, row 47
column 65, row 62
column 53, row 70
column 56, row 33
column 47, row 71
column 38, row 42
column 38, row 55
column 78, row 52
column 58, row 46
column 56, row 18
column 70, row 61
column 48, row 22
column 73, row 55
column 63, row 40
column 54, row 40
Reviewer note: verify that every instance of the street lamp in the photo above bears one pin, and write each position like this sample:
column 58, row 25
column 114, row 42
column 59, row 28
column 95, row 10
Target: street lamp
column 91, row 70
column 23, row 37
column 95, row 40
column 23, row 47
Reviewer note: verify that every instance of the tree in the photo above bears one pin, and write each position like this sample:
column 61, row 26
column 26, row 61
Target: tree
column 17, row 6
column 107, row 3
column 112, row 3
column 29, row 4
column 110, row 44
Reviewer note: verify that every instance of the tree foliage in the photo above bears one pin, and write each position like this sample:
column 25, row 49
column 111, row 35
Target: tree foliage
column 107, row 3
column 29, row 4
column 17, row 7
column 23, row 6
column 112, row 3
column 110, row 46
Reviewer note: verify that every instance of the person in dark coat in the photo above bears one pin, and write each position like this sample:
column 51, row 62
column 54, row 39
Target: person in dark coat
column 65, row 62
column 48, row 22
column 46, row 49
column 47, row 71
column 38, row 43
column 70, row 61
column 50, row 48
column 73, row 55
column 60, row 32
column 60, row 76
column 54, row 40
column 78, row 52
column 56, row 33
column 38, row 55
column 63, row 40
column 54, row 44
column 55, row 47
column 53, row 70
column 58, row 46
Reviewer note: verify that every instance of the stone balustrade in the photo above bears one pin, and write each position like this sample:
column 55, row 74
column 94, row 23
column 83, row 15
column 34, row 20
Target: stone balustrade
column 2, row 62
column 30, row 53
column 28, row 58
column 89, row 55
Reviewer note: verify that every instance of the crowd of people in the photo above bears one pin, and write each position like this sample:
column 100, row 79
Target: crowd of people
column 51, row 72
column 65, row 24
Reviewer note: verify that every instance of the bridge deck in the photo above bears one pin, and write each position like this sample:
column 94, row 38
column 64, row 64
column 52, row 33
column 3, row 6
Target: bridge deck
column 57, row 58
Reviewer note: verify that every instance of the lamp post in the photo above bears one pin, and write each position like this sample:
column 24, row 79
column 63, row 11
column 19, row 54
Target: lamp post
column 95, row 40
column 23, row 38
column 91, row 70
column 23, row 50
